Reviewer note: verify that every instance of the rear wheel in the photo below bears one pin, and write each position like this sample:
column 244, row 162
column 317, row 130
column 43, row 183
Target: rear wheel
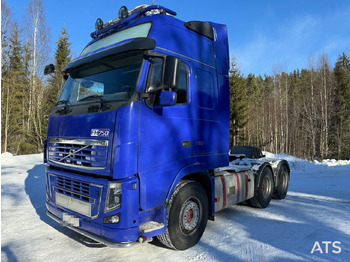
column 263, row 191
column 187, row 216
column 282, row 183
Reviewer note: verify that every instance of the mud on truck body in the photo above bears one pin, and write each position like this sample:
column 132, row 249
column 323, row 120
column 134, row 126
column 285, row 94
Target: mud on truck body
column 137, row 145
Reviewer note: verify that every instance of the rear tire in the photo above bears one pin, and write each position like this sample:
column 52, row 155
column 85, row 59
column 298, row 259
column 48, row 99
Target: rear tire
column 263, row 191
column 282, row 183
column 187, row 216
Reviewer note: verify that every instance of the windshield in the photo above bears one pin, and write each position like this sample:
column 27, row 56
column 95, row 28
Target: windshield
column 109, row 79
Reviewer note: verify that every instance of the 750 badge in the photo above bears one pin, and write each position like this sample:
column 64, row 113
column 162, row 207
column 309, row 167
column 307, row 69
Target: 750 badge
column 100, row 132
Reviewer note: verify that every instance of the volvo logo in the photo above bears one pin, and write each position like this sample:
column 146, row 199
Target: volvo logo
column 71, row 153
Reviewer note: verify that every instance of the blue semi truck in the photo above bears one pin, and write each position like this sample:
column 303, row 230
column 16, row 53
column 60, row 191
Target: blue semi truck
column 137, row 145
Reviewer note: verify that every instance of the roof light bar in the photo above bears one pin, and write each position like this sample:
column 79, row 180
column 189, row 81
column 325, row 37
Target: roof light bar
column 98, row 24
column 123, row 12
column 125, row 16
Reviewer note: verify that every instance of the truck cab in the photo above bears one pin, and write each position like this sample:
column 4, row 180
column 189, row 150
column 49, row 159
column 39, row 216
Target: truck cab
column 138, row 113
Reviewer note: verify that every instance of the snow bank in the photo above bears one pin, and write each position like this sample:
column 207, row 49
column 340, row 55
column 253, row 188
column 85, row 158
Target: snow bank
column 332, row 162
column 6, row 155
column 302, row 164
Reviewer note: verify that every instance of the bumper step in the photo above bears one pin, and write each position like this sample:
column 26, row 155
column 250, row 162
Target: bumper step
column 151, row 226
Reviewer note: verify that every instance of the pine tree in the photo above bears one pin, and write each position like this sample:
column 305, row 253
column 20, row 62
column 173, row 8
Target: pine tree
column 238, row 106
column 255, row 109
column 269, row 115
column 56, row 81
column 14, row 91
column 342, row 103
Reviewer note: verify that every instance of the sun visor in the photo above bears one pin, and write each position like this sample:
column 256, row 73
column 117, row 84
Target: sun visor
column 137, row 44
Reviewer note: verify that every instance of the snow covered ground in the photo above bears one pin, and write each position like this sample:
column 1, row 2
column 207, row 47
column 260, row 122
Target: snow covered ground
column 317, row 208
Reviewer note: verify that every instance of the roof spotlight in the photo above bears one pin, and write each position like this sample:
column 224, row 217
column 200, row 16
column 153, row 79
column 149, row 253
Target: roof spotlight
column 98, row 24
column 123, row 12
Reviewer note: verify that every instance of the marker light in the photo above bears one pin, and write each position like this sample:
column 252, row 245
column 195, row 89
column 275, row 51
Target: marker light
column 123, row 12
column 98, row 24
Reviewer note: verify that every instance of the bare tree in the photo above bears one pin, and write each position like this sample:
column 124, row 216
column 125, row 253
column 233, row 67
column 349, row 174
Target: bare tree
column 38, row 39
column 5, row 26
column 326, row 90
column 5, row 98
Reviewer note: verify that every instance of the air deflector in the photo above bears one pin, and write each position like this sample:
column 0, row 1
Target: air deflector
column 201, row 28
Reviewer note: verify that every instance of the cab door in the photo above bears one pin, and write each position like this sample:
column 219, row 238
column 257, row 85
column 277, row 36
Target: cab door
column 165, row 135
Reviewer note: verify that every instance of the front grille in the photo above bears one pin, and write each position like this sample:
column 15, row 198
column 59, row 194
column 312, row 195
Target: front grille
column 76, row 195
column 82, row 153
column 73, row 188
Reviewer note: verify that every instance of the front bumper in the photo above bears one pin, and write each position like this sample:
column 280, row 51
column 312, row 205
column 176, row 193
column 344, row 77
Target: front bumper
column 83, row 197
column 96, row 238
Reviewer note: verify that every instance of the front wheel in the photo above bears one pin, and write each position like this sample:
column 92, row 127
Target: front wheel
column 186, row 217
column 263, row 191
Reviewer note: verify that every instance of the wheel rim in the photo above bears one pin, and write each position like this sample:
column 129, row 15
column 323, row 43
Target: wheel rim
column 189, row 216
column 266, row 187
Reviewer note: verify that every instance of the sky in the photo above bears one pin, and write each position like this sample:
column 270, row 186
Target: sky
column 265, row 36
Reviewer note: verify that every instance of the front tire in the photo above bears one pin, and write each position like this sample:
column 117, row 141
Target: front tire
column 263, row 192
column 187, row 216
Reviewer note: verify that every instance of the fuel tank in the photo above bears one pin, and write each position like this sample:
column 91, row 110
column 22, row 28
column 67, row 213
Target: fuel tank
column 233, row 186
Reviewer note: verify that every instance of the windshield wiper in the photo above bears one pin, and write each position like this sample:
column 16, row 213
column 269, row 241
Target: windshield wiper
column 63, row 110
column 65, row 102
column 103, row 102
column 93, row 96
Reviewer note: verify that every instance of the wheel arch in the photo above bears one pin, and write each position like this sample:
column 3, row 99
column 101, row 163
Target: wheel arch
column 199, row 174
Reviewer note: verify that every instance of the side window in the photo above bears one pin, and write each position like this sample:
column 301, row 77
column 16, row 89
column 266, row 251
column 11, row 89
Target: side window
column 155, row 74
column 155, row 79
column 183, row 85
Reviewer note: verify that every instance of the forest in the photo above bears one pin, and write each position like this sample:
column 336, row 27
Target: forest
column 305, row 113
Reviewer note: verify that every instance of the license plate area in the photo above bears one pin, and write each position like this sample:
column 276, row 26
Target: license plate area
column 70, row 220
column 73, row 204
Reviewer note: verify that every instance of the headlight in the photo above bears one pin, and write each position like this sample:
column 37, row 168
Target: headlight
column 114, row 196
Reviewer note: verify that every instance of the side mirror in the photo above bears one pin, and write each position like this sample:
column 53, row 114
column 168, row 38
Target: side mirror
column 171, row 72
column 167, row 98
column 49, row 69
